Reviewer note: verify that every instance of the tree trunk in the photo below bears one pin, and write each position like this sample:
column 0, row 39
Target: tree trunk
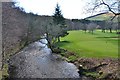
column 103, row 30
column 50, row 46
column 116, row 30
column 58, row 39
column 110, row 30
column 85, row 31
column 92, row 31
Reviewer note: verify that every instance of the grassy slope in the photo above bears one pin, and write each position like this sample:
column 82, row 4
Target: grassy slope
column 88, row 45
column 107, row 16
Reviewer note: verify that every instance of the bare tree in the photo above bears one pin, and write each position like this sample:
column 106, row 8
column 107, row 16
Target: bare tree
column 112, row 6
column 115, row 26
column 52, row 32
column 91, row 27
column 84, row 27
column 109, row 25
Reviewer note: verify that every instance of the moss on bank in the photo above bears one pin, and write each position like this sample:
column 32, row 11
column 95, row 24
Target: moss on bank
column 95, row 68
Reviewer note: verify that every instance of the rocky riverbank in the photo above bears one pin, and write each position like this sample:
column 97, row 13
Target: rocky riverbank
column 95, row 68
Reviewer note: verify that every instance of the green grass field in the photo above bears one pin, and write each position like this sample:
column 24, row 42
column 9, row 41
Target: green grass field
column 98, row 45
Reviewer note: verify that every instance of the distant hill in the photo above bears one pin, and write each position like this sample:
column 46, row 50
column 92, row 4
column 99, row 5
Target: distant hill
column 102, row 16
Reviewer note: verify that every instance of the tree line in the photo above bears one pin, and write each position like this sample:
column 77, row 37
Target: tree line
column 90, row 26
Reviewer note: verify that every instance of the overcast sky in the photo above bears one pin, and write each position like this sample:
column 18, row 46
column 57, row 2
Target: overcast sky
column 71, row 9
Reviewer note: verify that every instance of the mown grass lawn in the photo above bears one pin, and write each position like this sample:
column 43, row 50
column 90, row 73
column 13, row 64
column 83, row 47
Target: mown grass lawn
column 98, row 45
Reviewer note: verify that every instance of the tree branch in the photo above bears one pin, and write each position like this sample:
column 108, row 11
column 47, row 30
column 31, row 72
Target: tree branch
column 113, row 17
column 109, row 8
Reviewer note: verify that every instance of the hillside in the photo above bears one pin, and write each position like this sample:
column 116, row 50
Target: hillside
column 17, row 26
column 103, row 16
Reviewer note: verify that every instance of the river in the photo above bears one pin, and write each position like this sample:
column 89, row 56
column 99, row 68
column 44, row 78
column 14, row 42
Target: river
column 37, row 61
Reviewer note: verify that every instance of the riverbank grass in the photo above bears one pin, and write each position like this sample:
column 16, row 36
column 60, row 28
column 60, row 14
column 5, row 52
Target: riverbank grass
column 98, row 44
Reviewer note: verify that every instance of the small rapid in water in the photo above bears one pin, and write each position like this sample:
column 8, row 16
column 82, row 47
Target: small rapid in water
column 37, row 61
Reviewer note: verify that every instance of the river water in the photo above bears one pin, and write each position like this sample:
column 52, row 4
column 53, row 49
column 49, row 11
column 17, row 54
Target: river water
column 37, row 61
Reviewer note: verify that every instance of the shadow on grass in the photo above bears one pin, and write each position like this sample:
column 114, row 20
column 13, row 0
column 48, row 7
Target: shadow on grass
column 63, row 43
column 108, row 37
